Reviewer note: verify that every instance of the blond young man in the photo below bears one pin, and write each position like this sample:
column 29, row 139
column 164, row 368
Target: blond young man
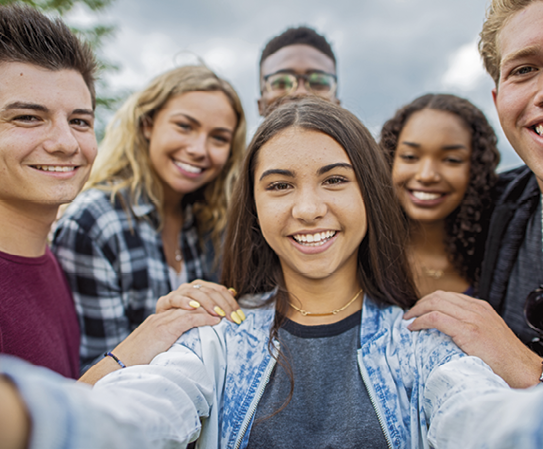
column 511, row 44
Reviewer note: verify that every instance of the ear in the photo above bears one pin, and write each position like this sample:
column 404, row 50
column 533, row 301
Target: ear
column 337, row 101
column 147, row 128
column 495, row 97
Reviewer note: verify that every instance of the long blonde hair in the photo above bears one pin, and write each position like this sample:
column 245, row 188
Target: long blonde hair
column 123, row 161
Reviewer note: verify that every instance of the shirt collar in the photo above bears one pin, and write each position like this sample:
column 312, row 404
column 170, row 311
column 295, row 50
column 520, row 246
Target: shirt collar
column 146, row 207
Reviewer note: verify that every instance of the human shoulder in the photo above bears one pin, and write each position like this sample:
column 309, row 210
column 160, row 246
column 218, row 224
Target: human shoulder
column 95, row 215
column 515, row 186
column 259, row 318
column 421, row 350
column 89, row 204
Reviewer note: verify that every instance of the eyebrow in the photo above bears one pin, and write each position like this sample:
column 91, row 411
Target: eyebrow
column 327, row 168
column 21, row 105
column 523, row 52
column 291, row 174
column 83, row 111
column 197, row 123
column 39, row 107
column 277, row 171
column 444, row 147
column 293, row 72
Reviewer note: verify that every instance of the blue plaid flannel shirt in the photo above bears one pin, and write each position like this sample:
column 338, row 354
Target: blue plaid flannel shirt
column 116, row 266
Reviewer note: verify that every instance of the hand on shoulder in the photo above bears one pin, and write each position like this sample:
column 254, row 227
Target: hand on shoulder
column 197, row 304
column 479, row 331
column 215, row 299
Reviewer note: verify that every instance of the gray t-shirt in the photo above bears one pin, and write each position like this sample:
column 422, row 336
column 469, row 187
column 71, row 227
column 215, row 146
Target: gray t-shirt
column 330, row 407
column 525, row 277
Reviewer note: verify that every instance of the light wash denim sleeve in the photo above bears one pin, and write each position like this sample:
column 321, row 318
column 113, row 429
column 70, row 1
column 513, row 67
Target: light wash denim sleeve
column 470, row 407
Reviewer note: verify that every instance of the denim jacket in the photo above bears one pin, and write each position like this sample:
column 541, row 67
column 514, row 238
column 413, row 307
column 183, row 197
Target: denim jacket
column 218, row 375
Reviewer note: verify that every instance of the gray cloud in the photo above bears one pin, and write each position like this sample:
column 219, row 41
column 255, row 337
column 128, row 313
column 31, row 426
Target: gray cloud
column 389, row 51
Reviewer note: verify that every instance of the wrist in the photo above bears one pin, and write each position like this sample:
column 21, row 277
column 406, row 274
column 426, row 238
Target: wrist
column 116, row 359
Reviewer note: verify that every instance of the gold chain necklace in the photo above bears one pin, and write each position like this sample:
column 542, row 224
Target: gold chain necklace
column 435, row 274
column 333, row 312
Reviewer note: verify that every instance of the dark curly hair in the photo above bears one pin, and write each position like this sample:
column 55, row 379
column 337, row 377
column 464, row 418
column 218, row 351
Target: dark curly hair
column 299, row 35
column 465, row 227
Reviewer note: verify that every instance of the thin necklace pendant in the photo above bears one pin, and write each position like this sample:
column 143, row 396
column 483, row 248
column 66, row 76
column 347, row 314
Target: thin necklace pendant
column 435, row 274
column 333, row 312
column 178, row 255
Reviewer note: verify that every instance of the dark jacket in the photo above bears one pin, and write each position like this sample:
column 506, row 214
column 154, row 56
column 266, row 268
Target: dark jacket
column 517, row 198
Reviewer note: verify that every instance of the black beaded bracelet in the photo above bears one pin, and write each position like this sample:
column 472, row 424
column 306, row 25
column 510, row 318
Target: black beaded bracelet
column 114, row 357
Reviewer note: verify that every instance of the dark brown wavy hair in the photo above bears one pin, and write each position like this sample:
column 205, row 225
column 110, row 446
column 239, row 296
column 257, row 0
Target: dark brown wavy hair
column 249, row 263
column 466, row 226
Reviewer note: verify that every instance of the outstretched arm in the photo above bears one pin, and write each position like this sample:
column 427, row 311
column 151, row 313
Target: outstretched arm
column 466, row 409
column 14, row 419
column 156, row 412
column 479, row 331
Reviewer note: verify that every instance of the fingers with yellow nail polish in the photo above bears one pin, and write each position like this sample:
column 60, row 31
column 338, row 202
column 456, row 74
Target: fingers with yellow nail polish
column 194, row 304
column 241, row 314
column 235, row 317
column 233, row 291
column 219, row 311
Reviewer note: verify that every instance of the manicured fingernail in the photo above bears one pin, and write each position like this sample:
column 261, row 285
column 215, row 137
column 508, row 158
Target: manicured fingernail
column 233, row 291
column 235, row 317
column 241, row 314
column 194, row 304
column 219, row 311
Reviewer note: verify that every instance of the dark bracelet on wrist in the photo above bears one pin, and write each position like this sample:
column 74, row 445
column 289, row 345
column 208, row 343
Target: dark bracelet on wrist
column 122, row 365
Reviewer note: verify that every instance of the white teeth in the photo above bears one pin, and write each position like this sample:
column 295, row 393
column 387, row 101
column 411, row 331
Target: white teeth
column 55, row 168
column 539, row 129
column 425, row 196
column 188, row 167
column 314, row 239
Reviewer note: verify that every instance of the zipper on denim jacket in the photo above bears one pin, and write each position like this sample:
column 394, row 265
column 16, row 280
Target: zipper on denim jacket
column 371, row 394
column 256, row 400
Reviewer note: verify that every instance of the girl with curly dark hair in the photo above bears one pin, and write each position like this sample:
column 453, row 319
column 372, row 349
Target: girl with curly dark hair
column 443, row 158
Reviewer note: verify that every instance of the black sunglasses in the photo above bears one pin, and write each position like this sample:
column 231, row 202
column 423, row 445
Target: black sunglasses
column 533, row 312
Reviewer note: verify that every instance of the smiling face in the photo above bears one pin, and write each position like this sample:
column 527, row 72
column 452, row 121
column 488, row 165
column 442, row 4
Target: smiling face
column 432, row 164
column 47, row 141
column 190, row 140
column 309, row 205
column 519, row 95
column 299, row 59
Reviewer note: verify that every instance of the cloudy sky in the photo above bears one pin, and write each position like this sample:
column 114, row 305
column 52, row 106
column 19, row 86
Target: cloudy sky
column 388, row 51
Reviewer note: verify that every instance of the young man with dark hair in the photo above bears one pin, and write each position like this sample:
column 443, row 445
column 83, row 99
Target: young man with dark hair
column 511, row 45
column 299, row 61
column 47, row 146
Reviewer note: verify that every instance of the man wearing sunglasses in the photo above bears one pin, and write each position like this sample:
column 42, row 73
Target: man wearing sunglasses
column 297, row 62
column 511, row 46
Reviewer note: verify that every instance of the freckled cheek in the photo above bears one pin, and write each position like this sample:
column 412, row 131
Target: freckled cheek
column 272, row 218
column 268, row 225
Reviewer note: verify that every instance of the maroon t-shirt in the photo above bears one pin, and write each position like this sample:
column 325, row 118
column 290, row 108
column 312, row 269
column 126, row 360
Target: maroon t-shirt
column 38, row 322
